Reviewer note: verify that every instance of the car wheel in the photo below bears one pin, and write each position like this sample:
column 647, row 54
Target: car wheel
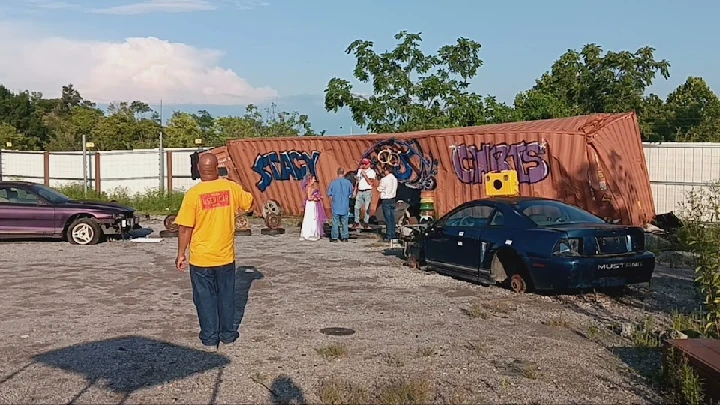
column 518, row 284
column 84, row 231
column 413, row 262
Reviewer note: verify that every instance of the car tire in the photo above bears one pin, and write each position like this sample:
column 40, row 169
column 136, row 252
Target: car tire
column 84, row 231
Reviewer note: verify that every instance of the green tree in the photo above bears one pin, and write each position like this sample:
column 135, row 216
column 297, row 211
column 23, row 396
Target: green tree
column 131, row 125
column 206, row 122
column 9, row 134
column 22, row 113
column 412, row 90
column 66, row 131
column 693, row 112
column 232, row 128
column 182, row 130
column 589, row 82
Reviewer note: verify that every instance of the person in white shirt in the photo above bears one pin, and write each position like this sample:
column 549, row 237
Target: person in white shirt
column 363, row 191
column 388, row 189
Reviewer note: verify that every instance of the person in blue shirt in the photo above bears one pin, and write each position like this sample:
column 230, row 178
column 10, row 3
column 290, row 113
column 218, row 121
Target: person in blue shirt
column 340, row 191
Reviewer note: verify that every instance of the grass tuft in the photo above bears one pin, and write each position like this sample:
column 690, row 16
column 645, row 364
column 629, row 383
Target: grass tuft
column 333, row 351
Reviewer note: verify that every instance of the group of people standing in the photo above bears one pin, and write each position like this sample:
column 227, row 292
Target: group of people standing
column 206, row 223
column 340, row 191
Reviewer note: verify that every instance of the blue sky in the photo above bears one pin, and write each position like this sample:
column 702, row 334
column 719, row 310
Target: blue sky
column 287, row 50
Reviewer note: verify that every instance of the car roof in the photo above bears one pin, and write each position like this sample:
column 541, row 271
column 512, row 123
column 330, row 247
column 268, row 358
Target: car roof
column 17, row 183
column 512, row 200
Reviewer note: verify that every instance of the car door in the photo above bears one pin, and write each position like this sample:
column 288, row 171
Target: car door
column 490, row 238
column 446, row 242
column 471, row 240
column 22, row 212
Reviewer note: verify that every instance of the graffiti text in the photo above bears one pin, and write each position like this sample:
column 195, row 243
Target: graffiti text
column 283, row 166
column 472, row 162
column 411, row 166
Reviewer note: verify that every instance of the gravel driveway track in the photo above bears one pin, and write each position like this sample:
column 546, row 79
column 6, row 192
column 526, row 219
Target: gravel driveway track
column 115, row 323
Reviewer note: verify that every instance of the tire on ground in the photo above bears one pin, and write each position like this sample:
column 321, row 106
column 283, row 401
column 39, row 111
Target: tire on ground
column 167, row 234
column 84, row 231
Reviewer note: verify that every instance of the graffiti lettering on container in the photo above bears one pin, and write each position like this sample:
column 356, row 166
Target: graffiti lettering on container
column 410, row 165
column 471, row 162
column 284, row 166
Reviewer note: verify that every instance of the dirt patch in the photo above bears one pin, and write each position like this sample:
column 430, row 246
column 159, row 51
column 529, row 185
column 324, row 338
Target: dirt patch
column 121, row 308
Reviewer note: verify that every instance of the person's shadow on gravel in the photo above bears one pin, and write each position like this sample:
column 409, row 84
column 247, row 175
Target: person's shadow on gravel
column 284, row 391
column 244, row 277
column 130, row 363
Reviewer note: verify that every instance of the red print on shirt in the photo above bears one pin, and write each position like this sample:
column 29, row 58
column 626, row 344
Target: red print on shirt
column 217, row 199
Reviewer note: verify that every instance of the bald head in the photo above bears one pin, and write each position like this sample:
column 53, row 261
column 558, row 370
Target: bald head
column 208, row 167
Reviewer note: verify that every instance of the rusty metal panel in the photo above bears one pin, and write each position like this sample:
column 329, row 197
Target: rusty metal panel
column 595, row 162
column 704, row 356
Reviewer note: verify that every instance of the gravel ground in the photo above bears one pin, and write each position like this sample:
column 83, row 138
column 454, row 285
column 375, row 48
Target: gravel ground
column 115, row 323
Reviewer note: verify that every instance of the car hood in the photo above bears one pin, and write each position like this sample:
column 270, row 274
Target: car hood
column 96, row 205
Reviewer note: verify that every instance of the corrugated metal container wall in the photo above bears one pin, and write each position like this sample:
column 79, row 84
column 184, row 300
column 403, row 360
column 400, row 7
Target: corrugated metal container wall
column 225, row 161
column 556, row 158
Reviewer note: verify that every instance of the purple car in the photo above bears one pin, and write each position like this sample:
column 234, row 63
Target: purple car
column 34, row 211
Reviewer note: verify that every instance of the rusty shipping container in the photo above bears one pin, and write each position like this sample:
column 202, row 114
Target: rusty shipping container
column 595, row 162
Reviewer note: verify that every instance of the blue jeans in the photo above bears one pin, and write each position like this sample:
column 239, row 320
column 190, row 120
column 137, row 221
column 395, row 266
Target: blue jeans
column 336, row 220
column 388, row 207
column 363, row 200
column 214, row 298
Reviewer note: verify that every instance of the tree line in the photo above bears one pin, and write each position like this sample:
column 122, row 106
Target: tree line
column 411, row 90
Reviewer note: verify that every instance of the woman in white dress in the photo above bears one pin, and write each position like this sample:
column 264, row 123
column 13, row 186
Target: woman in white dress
column 314, row 219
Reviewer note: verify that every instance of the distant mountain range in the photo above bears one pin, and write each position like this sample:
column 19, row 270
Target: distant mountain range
column 310, row 104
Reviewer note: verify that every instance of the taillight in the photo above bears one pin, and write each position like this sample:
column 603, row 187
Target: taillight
column 567, row 247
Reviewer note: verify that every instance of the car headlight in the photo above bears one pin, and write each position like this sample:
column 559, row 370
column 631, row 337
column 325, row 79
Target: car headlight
column 567, row 247
column 118, row 216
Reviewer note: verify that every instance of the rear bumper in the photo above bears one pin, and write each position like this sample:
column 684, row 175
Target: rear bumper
column 584, row 273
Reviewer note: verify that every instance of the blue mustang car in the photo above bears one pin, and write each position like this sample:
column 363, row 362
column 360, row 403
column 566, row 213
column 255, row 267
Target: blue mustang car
column 529, row 243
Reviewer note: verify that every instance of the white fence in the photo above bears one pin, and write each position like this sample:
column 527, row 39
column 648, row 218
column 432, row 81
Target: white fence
column 136, row 170
column 674, row 169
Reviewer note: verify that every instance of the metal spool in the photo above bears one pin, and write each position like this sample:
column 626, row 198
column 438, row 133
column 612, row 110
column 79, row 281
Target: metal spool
column 241, row 222
column 273, row 221
column 271, row 207
column 170, row 224
column 388, row 157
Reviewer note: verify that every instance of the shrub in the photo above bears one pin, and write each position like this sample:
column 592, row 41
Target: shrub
column 153, row 201
column 701, row 236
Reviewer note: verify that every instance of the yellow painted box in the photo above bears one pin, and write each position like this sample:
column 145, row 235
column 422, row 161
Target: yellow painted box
column 502, row 184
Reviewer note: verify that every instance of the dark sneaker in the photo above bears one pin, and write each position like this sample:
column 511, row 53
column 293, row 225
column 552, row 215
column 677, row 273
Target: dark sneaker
column 343, row 240
column 333, row 240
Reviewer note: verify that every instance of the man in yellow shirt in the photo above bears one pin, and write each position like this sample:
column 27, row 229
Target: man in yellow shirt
column 207, row 226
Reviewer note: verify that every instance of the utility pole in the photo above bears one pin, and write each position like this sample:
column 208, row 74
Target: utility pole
column 162, row 152
column 85, row 174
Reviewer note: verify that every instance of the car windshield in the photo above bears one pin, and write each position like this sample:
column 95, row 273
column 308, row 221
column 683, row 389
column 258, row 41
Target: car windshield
column 549, row 213
column 51, row 195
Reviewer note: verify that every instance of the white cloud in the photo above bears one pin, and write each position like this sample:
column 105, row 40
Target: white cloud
column 176, row 6
column 145, row 68
column 50, row 4
column 151, row 6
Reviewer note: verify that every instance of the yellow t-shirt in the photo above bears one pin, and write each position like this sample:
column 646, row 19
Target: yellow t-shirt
column 209, row 208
